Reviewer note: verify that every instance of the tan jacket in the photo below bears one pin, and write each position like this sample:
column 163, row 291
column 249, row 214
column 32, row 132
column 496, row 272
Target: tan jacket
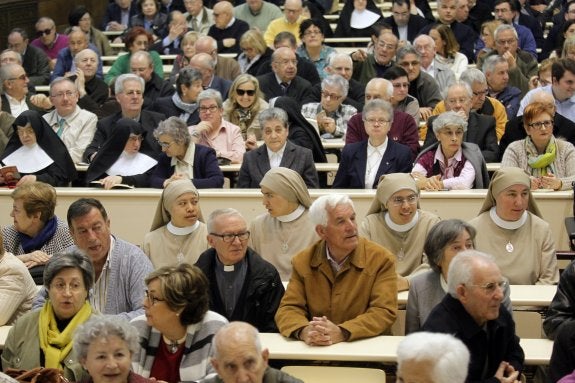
column 361, row 298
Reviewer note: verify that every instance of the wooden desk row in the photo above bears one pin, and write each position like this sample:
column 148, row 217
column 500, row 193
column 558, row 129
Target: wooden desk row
column 124, row 205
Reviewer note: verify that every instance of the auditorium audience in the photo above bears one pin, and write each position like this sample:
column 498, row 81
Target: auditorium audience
column 81, row 17
column 199, row 17
column 188, row 47
column 77, row 41
column 313, row 47
column 510, row 227
column 289, row 22
column 34, row 61
column 447, row 49
column 142, row 65
column 440, row 71
column 49, row 40
column 151, row 18
column 120, row 160
column 396, row 222
column 206, row 64
column 183, row 103
column 171, row 42
column 255, row 52
column 178, row 233
column 93, row 91
column 225, row 67
column 227, row 30
column 43, row 337
column 357, row 19
column 370, row 65
column 118, row 14
column 15, row 93
column 175, row 334
column 401, row 99
column 242, row 285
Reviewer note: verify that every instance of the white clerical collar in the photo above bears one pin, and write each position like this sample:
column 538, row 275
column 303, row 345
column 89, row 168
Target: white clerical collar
column 182, row 230
column 363, row 19
column 443, row 282
column 293, row 215
column 401, row 228
column 510, row 225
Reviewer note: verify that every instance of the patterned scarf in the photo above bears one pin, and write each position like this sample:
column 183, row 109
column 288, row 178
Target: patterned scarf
column 541, row 164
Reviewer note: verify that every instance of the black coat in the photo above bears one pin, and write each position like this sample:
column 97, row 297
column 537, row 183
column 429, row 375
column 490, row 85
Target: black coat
column 97, row 92
column 305, row 70
column 165, row 106
column 261, row 293
column 235, row 31
column 414, row 25
column 298, row 88
column 156, row 88
column 355, row 96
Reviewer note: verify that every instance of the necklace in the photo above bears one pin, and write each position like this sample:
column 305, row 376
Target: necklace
column 286, row 219
column 174, row 345
column 184, row 233
column 401, row 231
column 508, row 225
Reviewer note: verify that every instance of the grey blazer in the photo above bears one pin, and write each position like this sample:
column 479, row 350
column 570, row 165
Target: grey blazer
column 256, row 164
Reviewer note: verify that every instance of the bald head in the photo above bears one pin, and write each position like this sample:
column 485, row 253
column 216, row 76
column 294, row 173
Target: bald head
column 206, row 44
column 378, row 88
column 87, row 61
column 292, row 10
column 544, row 98
column 223, row 14
column 77, row 41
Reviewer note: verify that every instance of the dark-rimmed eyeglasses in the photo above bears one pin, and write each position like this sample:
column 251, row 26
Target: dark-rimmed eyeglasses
column 230, row 237
column 541, row 124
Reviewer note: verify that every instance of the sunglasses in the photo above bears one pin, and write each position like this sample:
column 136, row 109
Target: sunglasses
column 44, row 32
column 250, row 92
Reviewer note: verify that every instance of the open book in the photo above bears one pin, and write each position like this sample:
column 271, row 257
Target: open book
column 116, row 186
column 10, row 174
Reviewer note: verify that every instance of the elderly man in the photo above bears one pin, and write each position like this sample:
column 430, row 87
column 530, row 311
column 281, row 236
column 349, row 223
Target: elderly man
column 35, row 62
column 527, row 27
column 15, row 97
column 421, row 85
column 314, row 308
column 8, row 56
column 213, row 131
column 238, row 357
column 289, row 22
column 283, row 81
column 77, row 41
column 341, row 64
column 522, row 66
column 141, row 64
column 277, row 151
column 243, row 286
column 199, row 18
column 562, row 88
column 205, row 63
column 257, row 13
column 480, row 103
column 496, row 69
column 49, row 41
column 375, row 64
column 227, row 30
column 404, row 24
column 171, row 43
column 403, row 129
column 464, row 35
column 440, row 71
column 94, row 92
column 480, row 128
column 432, row 358
column 118, row 14
column 331, row 113
column 226, row 67
column 473, row 313
column 74, row 126
column 129, row 90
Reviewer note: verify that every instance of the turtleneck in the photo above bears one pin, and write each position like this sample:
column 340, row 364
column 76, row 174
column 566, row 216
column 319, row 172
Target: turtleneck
column 293, row 215
column 182, row 230
column 401, row 228
column 509, row 225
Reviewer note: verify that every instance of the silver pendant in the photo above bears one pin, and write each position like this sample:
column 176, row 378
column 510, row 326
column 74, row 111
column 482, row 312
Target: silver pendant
column 400, row 255
column 180, row 258
column 285, row 247
column 509, row 247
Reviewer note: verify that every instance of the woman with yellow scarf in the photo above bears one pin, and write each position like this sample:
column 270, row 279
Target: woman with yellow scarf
column 550, row 161
column 44, row 337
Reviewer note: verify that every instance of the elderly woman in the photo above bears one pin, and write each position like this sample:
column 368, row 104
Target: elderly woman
column 312, row 47
column 255, row 52
column 17, row 288
column 450, row 163
column 177, row 234
column 44, row 337
column 120, row 160
column 37, row 152
column 285, row 229
column 363, row 163
column 443, row 242
column 395, row 221
column 104, row 345
column 243, row 106
column 188, row 45
column 183, row 103
column 213, row 131
column 150, row 18
column 183, row 159
column 137, row 39
column 80, row 17
column 331, row 114
column 447, row 49
column 176, row 331
column 357, row 18
column 37, row 233
column 550, row 161
column 277, row 151
column 510, row 227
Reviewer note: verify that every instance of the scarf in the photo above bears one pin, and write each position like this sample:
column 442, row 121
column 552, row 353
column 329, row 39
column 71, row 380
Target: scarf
column 30, row 244
column 57, row 345
column 188, row 108
column 244, row 118
column 541, row 164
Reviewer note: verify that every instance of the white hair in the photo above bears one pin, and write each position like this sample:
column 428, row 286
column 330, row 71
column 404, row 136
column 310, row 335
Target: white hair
column 318, row 209
column 462, row 269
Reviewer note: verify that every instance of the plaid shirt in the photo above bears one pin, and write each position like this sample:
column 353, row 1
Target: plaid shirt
column 341, row 115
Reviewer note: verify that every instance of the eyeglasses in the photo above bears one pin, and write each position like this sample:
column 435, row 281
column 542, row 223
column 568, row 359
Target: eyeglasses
column 332, row 96
column 249, row 92
column 399, row 201
column 541, row 124
column 211, row 109
column 480, row 93
column 152, row 299
column 379, row 121
column 229, row 238
column 73, row 287
column 68, row 94
column 490, row 287
column 165, row 145
column 44, row 32
column 21, row 77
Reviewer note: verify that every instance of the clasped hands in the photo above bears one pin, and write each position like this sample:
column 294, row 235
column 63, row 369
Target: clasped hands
column 322, row 332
